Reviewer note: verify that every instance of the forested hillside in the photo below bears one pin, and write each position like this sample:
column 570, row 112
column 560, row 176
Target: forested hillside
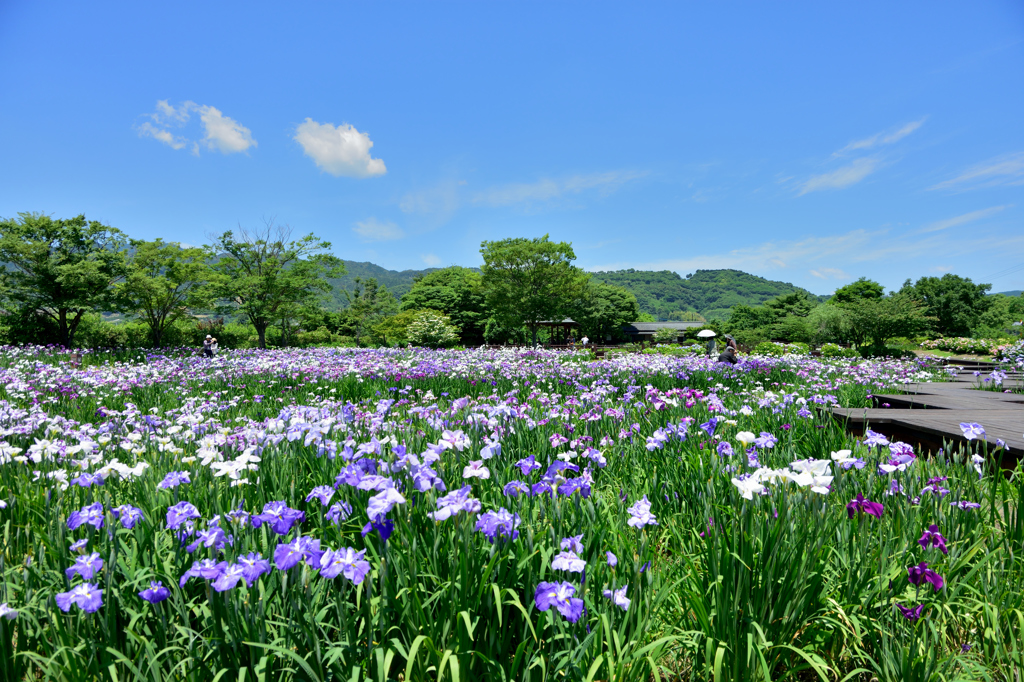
column 397, row 282
column 711, row 293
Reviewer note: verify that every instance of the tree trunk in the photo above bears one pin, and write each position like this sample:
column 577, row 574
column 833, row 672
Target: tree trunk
column 533, row 333
column 62, row 323
column 261, row 332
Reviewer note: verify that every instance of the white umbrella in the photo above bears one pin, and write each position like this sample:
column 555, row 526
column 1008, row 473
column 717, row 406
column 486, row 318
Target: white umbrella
column 706, row 333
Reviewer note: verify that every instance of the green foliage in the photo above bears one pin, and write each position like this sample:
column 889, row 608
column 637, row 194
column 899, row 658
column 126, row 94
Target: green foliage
column 163, row 283
column 955, row 303
column 265, row 275
column 645, row 317
column 666, row 335
column 458, row 293
column 855, row 291
column 708, row 293
column 61, row 268
column 875, row 321
column 527, row 281
column 829, row 323
column 394, row 330
column 603, row 310
column 369, row 304
column 431, row 329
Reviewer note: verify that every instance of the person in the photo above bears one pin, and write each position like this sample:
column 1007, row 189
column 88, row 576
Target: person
column 584, row 341
column 712, row 347
column 731, row 343
column 728, row 355
column 208, row 346
column 213, row 346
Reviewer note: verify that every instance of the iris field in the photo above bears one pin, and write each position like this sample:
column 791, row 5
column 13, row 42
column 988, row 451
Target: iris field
column 345, row 514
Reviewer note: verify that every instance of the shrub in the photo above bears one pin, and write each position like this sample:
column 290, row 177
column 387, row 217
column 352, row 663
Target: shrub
column 962, row 345
column 772, row 349
column 831, row 350
column 666, row 335
column 433, row 330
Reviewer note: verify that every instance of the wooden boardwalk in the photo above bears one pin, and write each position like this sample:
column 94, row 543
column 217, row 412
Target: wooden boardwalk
column 929, row 415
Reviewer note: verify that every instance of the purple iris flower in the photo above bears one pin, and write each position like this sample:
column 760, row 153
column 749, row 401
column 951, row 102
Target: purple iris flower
column 7, row 612
column 91, row 514
column 612, row 559
column 85, row 566
column 455, row 502
column 709, row 426
column 305, row 548
column 87, row 480
column 804, row 412
column 911, row 613
column 253, row 566
column 424, row 478
column 527, row 465
column 932, row 537
column 964, row 504
column 972, row 430
column 766, row 441
column 346, row 561
column 155, row 593
column 338, row 512
column 279, row 516
column 861, row 504
column 211, row 537
column 383, row 502
column 498, row 523
column 921, row 573
column 384, row 527
column 568, row 561
column 86, row 596
column 79, row 545
column 640, row 514
column 872, row 439
column 173, row 479
column 229, row 577
column 180, row 513
column 618, row 597
column 725, row 449
column 559, row 595
column 514, row 488
column 128, row 515
column 573, row 543
column 324, row 493
column 239, row 516
column 208, row 569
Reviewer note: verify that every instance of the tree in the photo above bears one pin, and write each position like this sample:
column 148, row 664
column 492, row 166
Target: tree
column 162, row 283
column 855, row 291
column 797, row 303
column 955, row 302
column 743, row 317
column 604, row 309
column 456, row 292
column 876, row 320
column 528, row 281
column 394, row 330
column 368, row 304
column 62, row 268
column 433, row 330
column 264, row 273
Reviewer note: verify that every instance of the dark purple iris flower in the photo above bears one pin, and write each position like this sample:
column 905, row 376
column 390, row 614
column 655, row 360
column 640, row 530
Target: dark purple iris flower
column 498, row 523
column 514, row 488
column 87, row 480
column 911, row 613
column 384, row 528
column 932, row 537
column 279, row 516
column 922, row 574
column 253, row 565
column 173, row 479
column 91, row 514
column 338, row 512
column 709, row 426
column 559, row 595
column 128, row 515
column 208, row 569
column 86, row 566
column 180, row 513
column 287, row 556
column 725, row 449
column 155, row 593
column 861, row 504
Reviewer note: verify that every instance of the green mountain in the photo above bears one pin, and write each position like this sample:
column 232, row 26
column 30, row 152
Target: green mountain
column 711, row 293
column 397, row 282
column 1015, row 292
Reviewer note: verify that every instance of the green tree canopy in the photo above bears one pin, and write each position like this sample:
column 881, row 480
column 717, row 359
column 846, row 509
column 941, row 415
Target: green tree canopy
column 855, row 291
column 743, row 317
column 603, row 309
column 264, row 273
column 528, row 281
column 876, row 320
column 368, row 304
column 955, row 302
column 797, row 303
column 458, row 293
column 163, row 282
column 61, row 268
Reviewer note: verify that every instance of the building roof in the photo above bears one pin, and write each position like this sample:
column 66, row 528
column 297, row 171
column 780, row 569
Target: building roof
column 651, row 327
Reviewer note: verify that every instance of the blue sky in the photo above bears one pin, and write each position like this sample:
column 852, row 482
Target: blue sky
column 811, row 143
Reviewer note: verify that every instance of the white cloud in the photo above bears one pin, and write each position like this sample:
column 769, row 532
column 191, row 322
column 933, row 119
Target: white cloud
column 841, row 177
column 430, row 259
column 222, row 133
column 373, row 230
column 341, row 150
column 440, row 201
column 829, row 273
column 962, row 219
column 1003, row 170
column 879, row 139
column 548, row 189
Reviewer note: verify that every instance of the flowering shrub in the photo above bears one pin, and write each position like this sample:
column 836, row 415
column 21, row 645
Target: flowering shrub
column 433, row 330
column 1012, row 353
column 774, row 349
column 961, row 345
column 344, row 513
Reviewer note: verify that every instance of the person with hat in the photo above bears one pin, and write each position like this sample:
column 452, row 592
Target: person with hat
column 208, row 346
column 730, row 342
column 728, row 355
